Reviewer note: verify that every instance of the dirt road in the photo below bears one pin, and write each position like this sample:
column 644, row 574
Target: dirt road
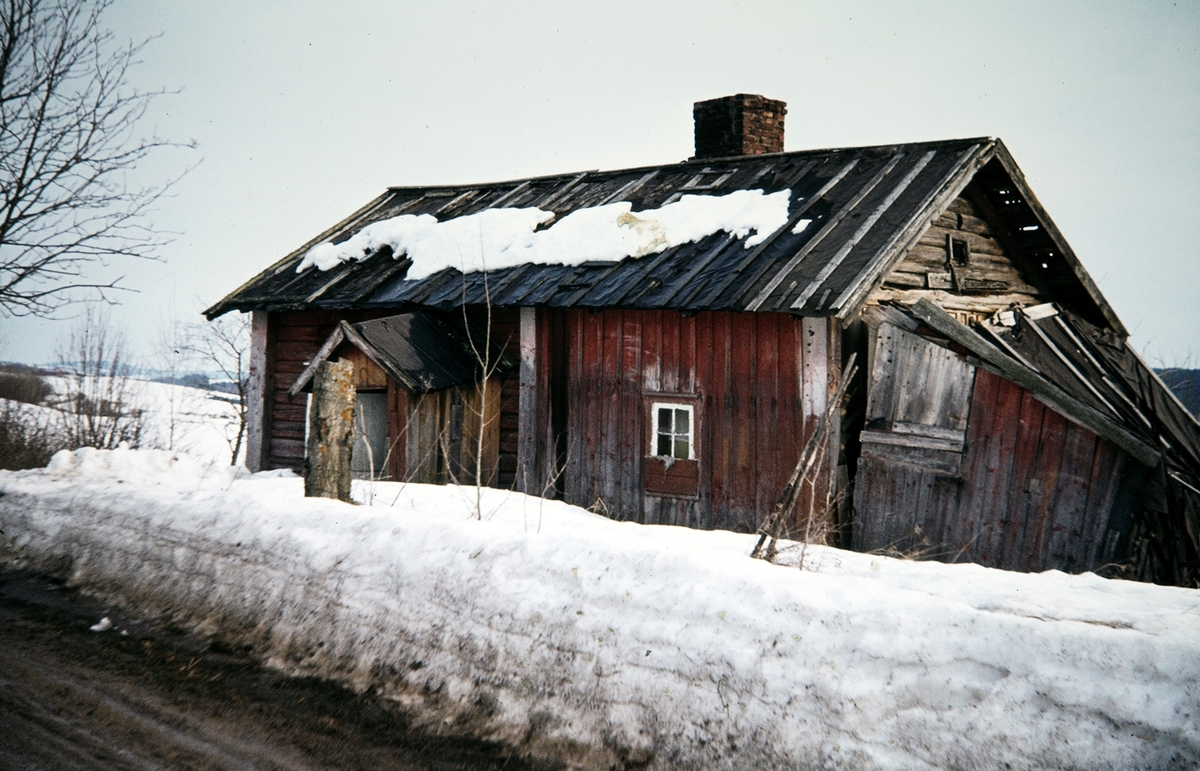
column 140, row 697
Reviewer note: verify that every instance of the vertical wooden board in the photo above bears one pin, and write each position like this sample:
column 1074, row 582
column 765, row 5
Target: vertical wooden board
column 529, row 412
column 670, row 352
column 948, row 502
column 610, row 480
column 397, row 432
column 884, row 498
column 574, row 486
column 1040, row 498
column 720, row 419
column 593, row 396
column 258, row 396
column 687, row 354
column 922, row 518
column 1102, row 491
column 415, row 439
column 1006, row 548
column 555, row 365
column 705, row 431
column 743, row 416
column 652, row 346
column 767, row 486
column 882, row 373
column 995, row 487
column 630, row 444
column 788, row 416
column 1069, row 508
column 816, row 359
column 989, row 461
column 479, row 449
column 789, row 419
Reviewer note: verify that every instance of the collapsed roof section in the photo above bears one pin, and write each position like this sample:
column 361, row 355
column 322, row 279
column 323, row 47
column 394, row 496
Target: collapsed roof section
column 851, row 215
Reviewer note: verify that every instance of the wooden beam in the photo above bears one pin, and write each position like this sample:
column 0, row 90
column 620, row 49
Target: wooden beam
column 257, row 397
column 332, row 342
column 528, row 476
column 1060, row 400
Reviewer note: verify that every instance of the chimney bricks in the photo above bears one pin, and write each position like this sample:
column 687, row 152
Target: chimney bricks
column 743, row 124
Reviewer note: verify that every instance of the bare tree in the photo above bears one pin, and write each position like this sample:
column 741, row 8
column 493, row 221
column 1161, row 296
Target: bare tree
column 224, row 343
column 68, row 143
column 99, row 403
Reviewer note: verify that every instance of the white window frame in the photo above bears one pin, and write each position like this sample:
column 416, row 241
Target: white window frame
column 691, row 433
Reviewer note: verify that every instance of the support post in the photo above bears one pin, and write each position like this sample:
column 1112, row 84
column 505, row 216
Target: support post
column 528, row 476
column 258, row 421
column 330, row 432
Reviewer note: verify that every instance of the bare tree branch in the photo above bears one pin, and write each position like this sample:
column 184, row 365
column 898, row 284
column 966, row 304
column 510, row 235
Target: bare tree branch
column 68, row 145
column 224, row 343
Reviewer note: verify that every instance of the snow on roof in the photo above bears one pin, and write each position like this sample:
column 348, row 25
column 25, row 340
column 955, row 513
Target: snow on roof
column 501, row 238
column 581, row 635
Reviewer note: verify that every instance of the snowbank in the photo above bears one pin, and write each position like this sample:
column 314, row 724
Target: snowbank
column 569, row 636
column 501, row 238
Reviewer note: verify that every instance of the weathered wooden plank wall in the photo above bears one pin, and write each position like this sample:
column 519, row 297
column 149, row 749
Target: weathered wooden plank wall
column 745, row 374
column 1034, row 491
column 986, row 282
column 296, row 337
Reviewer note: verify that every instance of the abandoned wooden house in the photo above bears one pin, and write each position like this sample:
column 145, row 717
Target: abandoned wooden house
column 998, row 415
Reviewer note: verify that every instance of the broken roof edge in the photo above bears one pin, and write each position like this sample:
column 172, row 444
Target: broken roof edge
column 1006, row 160
column 1070, row 407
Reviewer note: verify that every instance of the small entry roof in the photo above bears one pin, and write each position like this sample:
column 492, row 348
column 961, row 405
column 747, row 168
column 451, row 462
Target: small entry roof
column 417, row 350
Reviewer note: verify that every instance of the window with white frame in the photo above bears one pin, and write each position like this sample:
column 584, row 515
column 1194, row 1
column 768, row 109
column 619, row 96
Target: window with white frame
column 674, row 431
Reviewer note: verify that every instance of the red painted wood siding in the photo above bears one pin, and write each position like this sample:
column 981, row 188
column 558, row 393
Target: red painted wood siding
column 746, row 370
column 1034, row 492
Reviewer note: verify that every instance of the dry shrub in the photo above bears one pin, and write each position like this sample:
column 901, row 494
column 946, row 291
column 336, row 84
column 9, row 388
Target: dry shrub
column 25, row 440
column 23, row 384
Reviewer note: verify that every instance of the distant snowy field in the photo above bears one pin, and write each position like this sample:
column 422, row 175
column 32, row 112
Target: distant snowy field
column 205, row 422
column 603, row 644
column 195, row 421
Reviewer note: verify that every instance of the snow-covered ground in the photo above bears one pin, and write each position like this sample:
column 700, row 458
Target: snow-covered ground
column 566, row 635
column 205, row 422
column 199, row 422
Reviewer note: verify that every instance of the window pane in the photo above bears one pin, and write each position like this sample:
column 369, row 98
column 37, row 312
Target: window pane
column 664, row 444
column 681, row 422
column 681, row 448
column 664, row 419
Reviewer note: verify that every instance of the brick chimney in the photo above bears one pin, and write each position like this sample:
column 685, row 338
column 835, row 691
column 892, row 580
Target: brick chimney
column 743, row 124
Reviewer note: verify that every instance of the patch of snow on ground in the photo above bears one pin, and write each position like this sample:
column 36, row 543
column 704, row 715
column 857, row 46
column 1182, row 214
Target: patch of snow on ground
column 199, row 422
column 569, row 636
column 500, row 238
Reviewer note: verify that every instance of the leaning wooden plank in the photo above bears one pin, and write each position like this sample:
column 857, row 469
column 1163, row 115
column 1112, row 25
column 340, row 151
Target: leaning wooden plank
column 790, row 495
column 331, row 343
column 1073, row 409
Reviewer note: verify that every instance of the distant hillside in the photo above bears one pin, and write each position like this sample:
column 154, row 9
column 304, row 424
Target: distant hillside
column 1186, row 385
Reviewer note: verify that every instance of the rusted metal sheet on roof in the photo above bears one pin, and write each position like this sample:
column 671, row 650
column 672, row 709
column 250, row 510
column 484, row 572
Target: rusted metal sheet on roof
column 857, row 201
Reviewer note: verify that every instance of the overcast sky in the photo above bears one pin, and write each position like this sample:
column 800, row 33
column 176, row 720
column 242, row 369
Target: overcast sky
column 305, row 111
